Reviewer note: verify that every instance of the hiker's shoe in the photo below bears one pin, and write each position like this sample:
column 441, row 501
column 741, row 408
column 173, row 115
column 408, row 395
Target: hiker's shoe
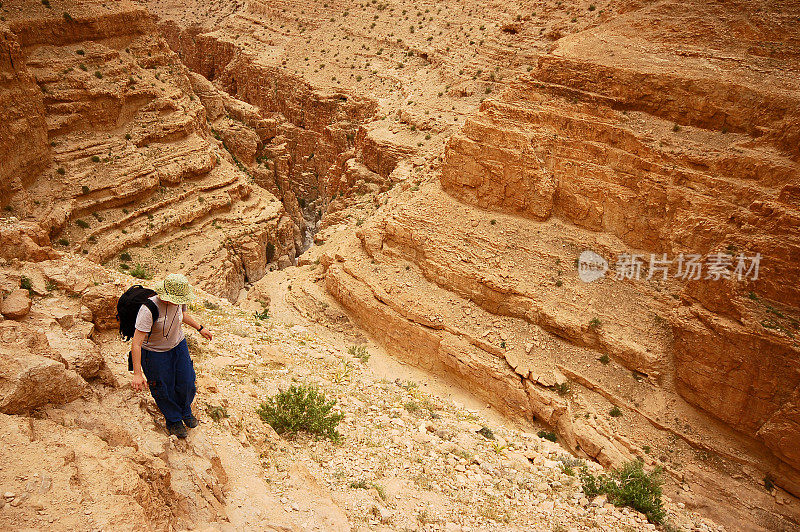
column 177, row 429
column 191, row 422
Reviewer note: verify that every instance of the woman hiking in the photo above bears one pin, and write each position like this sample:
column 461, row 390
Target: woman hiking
column 160, row 355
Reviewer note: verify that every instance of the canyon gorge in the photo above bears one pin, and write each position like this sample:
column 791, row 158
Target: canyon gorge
column 423, row 179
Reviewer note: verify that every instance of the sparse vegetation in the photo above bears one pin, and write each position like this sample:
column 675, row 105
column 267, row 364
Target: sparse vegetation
column 630, row 486
column 547, row 435
column 359, row 352
column 595, row 323
column 263, row 315
column 562, row 388
column 95, row 159
column 216, row 412
column 615, row 411
column 140, row 272
column 25, row 283
column 486, row 432
column 604, row 359
column 301, row 408
column 125, row 256
column 82, row 223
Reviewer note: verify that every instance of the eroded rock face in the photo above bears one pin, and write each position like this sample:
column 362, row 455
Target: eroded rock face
column 127, row 158
column 599, row 147
column 22, row 120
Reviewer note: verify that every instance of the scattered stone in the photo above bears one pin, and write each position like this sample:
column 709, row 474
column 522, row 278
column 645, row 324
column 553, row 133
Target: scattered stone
column 16, row 304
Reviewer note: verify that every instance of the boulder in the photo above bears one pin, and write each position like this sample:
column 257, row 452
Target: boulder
column 30, row 381
column 101, row 300
column 16, row 304
column 81, row 355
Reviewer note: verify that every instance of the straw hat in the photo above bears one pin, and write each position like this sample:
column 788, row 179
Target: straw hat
column 175, row 288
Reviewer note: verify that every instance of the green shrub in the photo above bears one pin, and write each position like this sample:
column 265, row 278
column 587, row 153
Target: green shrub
column 629, row 486
column 604, row 359
column 63, row 242
column 547, row 435
column 25, row 283
column 82, row 223
column 487, row 433
column 125, row 256
column 140, row 272
column 215, row 412
column 301, row 408
column 359, row 352
column 595, row 323
column 562, row 389
column 263, row 315
column 95, row 159
column 615, row 411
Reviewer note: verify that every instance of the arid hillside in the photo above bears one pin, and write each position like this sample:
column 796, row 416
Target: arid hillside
column 424, row 179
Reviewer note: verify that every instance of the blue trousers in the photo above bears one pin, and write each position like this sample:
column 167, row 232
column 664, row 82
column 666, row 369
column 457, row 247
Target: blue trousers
column 170, row 377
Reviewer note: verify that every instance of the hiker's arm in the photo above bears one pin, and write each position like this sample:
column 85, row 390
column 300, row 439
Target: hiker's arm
column 139, row 382
column 191, row 321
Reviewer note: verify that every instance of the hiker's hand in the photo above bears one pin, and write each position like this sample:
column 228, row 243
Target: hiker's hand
column 139, row 382
column 206, row 334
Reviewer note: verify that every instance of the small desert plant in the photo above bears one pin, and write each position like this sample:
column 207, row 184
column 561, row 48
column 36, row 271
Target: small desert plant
column 210, row 305
column 547, row 435
column 63, row 241
column 411, row 406
column 82, row 223
column 216, row 412
column 562, row 388
column 615, row 411
column 359, row 352
column 95, row 159
column 125, row 256
column 25, row 283
column 301, row 408
column 595, row 323
column 604, row 359
column 61, row 171
column 629, row 486
column 487, row 433
column 263, row 315
column 140, row 272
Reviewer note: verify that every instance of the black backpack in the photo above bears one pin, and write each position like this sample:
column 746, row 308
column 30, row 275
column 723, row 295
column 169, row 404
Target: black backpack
column 128, row 308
